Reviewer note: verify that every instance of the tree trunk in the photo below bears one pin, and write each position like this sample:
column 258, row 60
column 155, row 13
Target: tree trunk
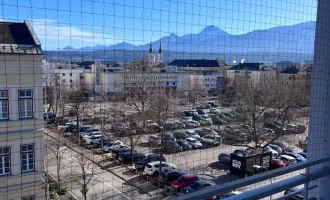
column 78, row 128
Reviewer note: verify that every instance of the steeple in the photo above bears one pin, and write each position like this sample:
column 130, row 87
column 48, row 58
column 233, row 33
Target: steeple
column 160, row 48
column 150, row 49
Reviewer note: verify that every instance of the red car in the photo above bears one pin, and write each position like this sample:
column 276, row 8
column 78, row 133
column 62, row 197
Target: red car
column 277, row 163
column 184, row 181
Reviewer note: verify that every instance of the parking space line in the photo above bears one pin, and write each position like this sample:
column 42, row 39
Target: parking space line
column 100, row 179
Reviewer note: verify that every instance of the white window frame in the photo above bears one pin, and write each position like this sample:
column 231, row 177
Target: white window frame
column 3, row 155
column 2, row 100
column 28, row 152
column 25, row 98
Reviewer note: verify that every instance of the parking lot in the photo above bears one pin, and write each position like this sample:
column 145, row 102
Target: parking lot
column 113, row 181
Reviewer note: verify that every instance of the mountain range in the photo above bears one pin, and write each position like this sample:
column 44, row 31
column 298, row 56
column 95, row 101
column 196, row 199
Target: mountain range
column 297, row 38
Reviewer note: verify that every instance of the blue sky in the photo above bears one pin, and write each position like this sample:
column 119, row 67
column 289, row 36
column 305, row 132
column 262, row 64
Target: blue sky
column 78, row 23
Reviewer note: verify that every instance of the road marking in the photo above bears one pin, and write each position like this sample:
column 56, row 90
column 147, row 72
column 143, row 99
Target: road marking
column 100, row 179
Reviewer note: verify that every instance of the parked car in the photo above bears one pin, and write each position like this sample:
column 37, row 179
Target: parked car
column 49, row 118
column 276, row 148
column 107, row 146
column 82, row 133
column 208, row 120
column 205, row 131
column 180, row 135
column 204, row 106
column 127, row 157
column 277, row 163
column 230, row 194
column 303, row 154
column 201, row 112
column 178, row 125
column 211, row 139
column 93, row 139
column 240, row 152
column 284, row 145
column 184, row 144
column 216, row 120
column 116, row 152
column 194, row 143
column 213, row 111
column 89, row 135
column 172, row 146
column 200, row 120
column 295, row 197
column 150, row 158
column 296, row 156
column 192, row 123
column 196, row 186
column 194, row 135
column 268, row 149
column 82, row 128
column 212, row 104
column 169, row 176
column 169, row 137
column 184, row 181
column 288, row 159
column 224, row 157
column 67, row 127
column 185, row 119
column 155, row 140
column 154, row 168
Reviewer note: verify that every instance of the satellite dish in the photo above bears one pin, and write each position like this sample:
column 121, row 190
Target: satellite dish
column 234, row 61
column 243, row 60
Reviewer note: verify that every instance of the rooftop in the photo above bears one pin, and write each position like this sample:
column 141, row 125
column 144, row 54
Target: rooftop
column 18, row 38
column 195, row 63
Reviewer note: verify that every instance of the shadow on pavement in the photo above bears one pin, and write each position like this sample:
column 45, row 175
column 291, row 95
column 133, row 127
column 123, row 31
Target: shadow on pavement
column 219, row 166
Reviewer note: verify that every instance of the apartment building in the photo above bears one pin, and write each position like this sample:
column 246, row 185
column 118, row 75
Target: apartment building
column 21, row 133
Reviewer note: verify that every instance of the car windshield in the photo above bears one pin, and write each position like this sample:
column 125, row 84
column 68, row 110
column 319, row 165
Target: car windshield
column 181, row 179
column 148, row 166
column 196, row 185
column 192, row 141
column 267, row 148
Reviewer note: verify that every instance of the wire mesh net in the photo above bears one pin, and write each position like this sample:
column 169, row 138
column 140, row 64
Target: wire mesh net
column 147, row 99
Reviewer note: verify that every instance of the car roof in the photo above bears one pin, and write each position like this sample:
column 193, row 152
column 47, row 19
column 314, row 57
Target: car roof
column 190, row 138
column 225, row 153
column 189, row 175
column 286, row 156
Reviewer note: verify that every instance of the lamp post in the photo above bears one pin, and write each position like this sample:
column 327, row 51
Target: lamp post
column 258, row 167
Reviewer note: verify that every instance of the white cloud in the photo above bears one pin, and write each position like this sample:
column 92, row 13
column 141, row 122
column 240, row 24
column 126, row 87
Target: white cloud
column 52, row 31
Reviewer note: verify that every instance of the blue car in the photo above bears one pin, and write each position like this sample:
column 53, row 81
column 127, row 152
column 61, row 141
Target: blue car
column 298, row 157
column 276, row 148
column 198, row 185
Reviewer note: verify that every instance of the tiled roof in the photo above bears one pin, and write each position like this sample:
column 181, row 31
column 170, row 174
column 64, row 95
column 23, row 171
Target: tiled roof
column 18, row 38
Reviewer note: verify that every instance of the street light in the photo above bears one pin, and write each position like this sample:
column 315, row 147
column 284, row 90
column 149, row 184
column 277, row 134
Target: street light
column 258, row 167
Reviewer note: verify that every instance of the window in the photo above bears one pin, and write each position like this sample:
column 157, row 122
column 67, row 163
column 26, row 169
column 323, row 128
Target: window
column 4, row 160
column 173, row 83
column 29, row 198
column 27, row 157
column 3, row 105
column 63, row 74
column 25, row 104
column 70, row 74
column 70, row 81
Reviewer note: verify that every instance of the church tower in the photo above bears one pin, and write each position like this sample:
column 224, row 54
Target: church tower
column 160, row 54
column 151, row 56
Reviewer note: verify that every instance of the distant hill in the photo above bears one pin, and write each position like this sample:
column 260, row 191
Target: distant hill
column 212, row 42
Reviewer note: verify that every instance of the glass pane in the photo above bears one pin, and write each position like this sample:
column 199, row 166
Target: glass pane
column 7, row 159
column 30, row 155
column 30, row 147
column 28, row 104
column 1, row 171
column 31, row 160
column 6, row 150
column 7, row 170
column 22, row 93
column 24, row 148
column 24, row 161
column 28, row 93
column 24, row 167
column 30, row 166
column 4, row 94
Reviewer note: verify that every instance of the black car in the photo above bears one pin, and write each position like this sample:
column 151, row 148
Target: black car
column 295, row 197
column 181, row 135
column 169, row 137
column 126, row 157
column 169, row 176
column 184, row 144
column 201, row 112
column 172, row 146
column 150, row 158
column 49, row 118
column 212, row 104
column 115, row 152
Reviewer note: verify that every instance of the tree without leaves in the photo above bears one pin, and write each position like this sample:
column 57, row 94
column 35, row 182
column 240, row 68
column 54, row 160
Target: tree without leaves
column 78, row 101
column 275, row 99
column 197, row 90
column 87, row 171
